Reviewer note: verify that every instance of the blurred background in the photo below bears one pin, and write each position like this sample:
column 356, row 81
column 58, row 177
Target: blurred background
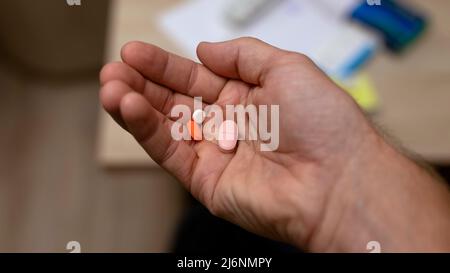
column 68, row 173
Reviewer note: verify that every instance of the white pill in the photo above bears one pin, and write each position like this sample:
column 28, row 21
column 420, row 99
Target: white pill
column 198, row 116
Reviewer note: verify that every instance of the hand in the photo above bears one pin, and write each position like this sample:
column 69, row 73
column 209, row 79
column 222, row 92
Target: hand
column 292, row 194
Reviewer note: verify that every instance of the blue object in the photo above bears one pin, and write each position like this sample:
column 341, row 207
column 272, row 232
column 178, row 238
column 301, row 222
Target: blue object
column 399, row 25
column 354, row 65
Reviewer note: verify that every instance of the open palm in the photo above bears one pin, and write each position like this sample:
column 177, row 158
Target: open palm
column 280, row 194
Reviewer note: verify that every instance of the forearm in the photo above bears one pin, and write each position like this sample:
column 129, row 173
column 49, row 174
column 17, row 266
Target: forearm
column 384, row 196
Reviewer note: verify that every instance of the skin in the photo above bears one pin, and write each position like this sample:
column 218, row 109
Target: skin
column 334, row 183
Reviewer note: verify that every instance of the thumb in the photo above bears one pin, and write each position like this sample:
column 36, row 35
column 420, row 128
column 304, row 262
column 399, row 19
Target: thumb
column 246, row 58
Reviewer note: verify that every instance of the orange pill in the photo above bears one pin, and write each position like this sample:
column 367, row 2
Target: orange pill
column 194, row 130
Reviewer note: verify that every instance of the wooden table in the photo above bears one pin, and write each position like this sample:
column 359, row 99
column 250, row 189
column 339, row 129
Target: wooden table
column 414, row 88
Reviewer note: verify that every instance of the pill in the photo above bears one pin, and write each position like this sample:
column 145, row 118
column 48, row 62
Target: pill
column 198, row 116
column 194, row 130
column 227, row 135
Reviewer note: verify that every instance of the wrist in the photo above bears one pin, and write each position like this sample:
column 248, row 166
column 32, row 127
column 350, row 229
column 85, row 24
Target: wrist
column 383, row 196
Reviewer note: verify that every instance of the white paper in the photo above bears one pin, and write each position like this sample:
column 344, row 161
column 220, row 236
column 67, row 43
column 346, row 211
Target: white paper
column 296, row 25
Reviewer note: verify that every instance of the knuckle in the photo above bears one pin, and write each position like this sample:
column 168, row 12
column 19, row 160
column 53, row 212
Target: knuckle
column 248, row 40
column 299, row 57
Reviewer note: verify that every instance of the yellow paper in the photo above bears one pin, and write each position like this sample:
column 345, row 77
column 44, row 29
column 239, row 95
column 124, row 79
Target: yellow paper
column 361, row 88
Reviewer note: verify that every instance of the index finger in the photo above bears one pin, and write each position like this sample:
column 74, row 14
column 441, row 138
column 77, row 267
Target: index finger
column 246, row 58
column 177, row 73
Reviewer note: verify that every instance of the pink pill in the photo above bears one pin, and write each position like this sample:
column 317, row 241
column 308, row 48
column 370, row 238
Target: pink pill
column 227, row 135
